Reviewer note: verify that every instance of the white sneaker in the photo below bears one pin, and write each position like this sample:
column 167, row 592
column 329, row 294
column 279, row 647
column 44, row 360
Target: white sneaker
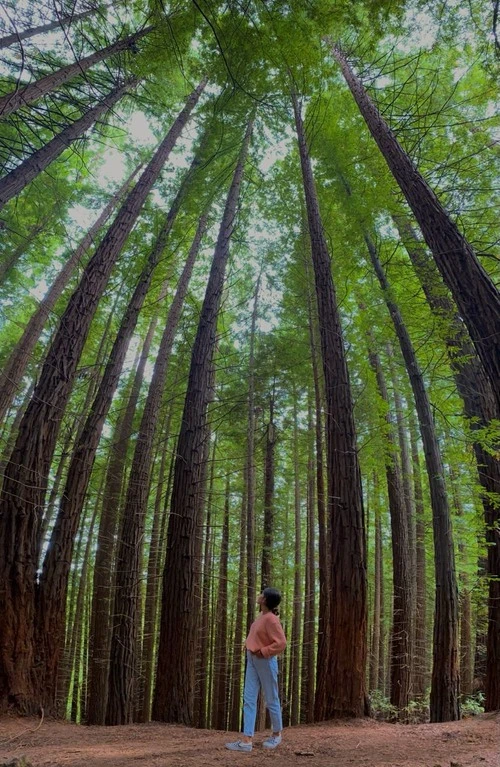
column 272, row 742
column 239, row 745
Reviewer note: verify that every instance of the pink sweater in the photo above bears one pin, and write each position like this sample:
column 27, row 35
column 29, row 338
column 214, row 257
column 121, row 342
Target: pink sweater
column 266, row 635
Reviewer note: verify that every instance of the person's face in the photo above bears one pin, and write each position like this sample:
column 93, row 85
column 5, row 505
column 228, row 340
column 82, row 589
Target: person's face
column 261, row 600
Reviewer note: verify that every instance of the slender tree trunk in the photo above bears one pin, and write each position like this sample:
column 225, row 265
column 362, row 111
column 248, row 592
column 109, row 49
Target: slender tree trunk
column 268, row 533
column 26, row 474
column 473, row 291
column 296, row 642
column 15, row 181
column 400, row 658
column 100, row 636
column 420, row 664
column 307, row 677
column 480, row 408
column 444, row 705
column 177, row 635
column 59, row 23
column 128, row 572
column 341, row 684
column 204, row 642
column 56, row 567
column 220, row 664
column 29, row 93
column 153, row 580
column 235, row 715
column 250, row 470
column 15, row 367
column 377, row 597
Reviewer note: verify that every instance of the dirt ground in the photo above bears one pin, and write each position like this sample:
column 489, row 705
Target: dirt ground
column 473, row 742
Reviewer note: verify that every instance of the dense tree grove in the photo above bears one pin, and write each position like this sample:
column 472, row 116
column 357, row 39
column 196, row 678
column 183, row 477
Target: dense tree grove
column 250, row 336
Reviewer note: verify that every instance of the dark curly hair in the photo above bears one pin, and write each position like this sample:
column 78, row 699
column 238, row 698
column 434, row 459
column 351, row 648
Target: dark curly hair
column 273, row 598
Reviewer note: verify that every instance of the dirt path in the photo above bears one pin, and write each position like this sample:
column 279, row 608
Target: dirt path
column 473, row 742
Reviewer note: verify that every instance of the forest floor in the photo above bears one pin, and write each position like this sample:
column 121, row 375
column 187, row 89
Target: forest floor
column 473, row 742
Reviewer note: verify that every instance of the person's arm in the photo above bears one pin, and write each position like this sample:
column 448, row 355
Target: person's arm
column 278, row 639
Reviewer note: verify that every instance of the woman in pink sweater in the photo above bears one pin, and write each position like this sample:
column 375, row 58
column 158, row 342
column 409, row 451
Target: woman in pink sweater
column 264, row 642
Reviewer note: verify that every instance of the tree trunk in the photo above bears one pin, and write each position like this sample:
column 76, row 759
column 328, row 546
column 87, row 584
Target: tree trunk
column 268, row 532
column 400, row 658
column 177, row 634
column 54, row 578
column 480, row 408
column 250, row 471
column 377, row 596
column 128, row 570
column 444, row 704
column 340, row 688
column 473, row 291
column 235, row 714
column 204, row 636
column 220, row 661
column 420, row 664
column 100, row 634
column 307, row 677
column 15, row 366
column 15, row 181
column 153, row 580
column 27, row 472
column 62, row 21
column 295, row 641
column 29, row 93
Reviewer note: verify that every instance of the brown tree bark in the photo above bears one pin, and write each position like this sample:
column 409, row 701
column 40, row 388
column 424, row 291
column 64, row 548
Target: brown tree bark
column 268, row 527
column 128, row 570
column 220, row 659
column 420, row 664
column 472, row 289
column 15, row 181
column 309, row 629
column 400, row 658
column 444, row 703
column 296, row 639
column 204, row 635
column 100, row 635
column 15, row 367
column 235, row 712
column 341, row 684
column 177, row 635
column 250, row 470
column 62, row 21
column 29, row 93
column 28, row 469
column 374, row 680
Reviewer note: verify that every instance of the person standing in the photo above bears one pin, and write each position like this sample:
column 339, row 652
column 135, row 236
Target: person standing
column 264, row 642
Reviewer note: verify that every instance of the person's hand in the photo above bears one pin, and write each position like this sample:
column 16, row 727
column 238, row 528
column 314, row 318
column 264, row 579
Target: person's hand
column 258, row 654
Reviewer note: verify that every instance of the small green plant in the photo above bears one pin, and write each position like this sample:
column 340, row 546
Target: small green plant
column 473, row 706
column 382, row 708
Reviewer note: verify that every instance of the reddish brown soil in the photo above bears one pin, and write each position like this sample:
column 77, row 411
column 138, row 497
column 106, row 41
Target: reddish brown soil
column 473, row 742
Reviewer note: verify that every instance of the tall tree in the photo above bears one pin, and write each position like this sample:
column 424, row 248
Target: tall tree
column 473, row 290
column 30, row 93
column 15, row 181
column 179, row 616
column 444, row 702
column 63, row 21
column 341, row 687
column 129, row 559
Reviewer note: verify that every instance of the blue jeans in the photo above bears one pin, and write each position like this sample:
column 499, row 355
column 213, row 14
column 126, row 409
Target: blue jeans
column 261, row 672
